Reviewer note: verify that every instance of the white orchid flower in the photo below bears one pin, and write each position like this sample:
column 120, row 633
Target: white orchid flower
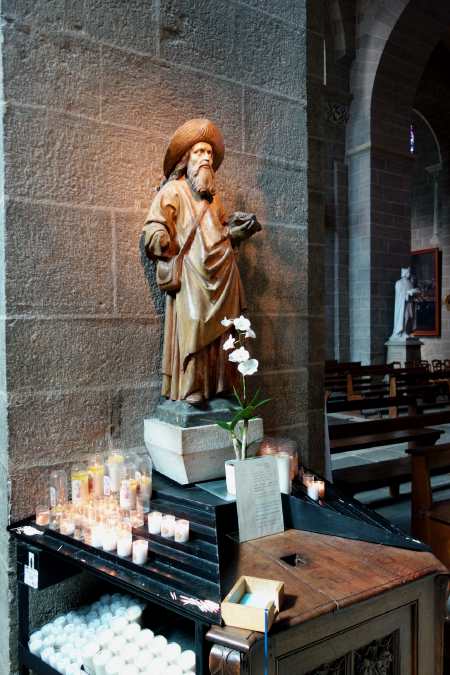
column 239, row 355
column 250, row 333
column 226, row 322
column 241, row 323
column 229, row 344
column 248, row 367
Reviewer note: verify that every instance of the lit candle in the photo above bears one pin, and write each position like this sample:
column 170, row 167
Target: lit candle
column 96, row 473
column 137, row 517
column 321, row 488
column 109, row 538
column 42, row 515
column 154, row 522
column 80, row 485
column 97, row 532
column 124, row 543
column 168, row 526
column 312, row 490
column 115, row 467
column 181, row 531
column 67, row 526
column 145, row 491
column 283, row 461
column 140, row 551
column 128, row 491
column 307, row 479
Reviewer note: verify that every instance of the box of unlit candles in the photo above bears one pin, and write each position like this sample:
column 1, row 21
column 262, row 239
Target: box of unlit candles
column 252, row 603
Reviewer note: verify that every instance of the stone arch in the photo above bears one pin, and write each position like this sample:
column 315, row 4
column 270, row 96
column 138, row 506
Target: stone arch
column 395, row 41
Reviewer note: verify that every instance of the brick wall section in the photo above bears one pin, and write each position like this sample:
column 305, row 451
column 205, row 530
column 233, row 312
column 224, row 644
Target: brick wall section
column 93, row 90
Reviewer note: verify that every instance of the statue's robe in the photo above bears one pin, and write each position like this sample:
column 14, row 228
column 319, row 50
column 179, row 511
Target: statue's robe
column 193, row 357
column 404, row 309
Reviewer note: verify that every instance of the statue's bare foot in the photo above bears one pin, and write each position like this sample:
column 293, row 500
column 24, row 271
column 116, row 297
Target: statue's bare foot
column 195, row 399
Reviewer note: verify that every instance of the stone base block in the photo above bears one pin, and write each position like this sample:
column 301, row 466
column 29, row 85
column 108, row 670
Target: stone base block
column 403, row 350
column 192, row 454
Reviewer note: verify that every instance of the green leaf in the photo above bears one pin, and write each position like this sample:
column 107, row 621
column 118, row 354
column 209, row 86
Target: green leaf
column 226, row 425
column 266, row 400
column 237, row 397
column 255, row 398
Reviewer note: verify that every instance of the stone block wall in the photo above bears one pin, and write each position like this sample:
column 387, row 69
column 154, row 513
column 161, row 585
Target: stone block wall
column 432, row 149
column 92, row 92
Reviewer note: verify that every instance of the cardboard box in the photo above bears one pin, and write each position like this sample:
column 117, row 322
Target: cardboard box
column 258, row 595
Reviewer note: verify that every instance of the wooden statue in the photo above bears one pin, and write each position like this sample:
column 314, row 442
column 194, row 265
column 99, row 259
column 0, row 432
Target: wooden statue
column 188, row 235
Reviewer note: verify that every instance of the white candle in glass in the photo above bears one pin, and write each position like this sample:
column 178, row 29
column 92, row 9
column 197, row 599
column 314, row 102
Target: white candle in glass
column 321, row 487
column 124, row 543
column 42, row 515
column 283, row 461
column 174, row 669
column 154, row 522
column 118, row 644
column 140, row 551
column 168, row 526
column 181, row 531
column 67, row 526
column 312, row 490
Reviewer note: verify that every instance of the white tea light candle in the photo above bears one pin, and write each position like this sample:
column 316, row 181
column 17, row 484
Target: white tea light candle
column 140, row 551
column 181, row 531
column 283, row 461
column 168, row 526
column 154, row 522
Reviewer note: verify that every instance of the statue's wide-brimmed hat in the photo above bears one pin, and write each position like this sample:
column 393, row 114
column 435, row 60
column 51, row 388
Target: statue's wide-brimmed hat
column 190, row 133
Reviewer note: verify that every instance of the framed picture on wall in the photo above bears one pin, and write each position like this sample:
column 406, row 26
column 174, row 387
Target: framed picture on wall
column 425, row 276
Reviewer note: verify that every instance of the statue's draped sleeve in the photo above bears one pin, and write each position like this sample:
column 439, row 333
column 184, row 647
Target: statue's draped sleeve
column 161, row 219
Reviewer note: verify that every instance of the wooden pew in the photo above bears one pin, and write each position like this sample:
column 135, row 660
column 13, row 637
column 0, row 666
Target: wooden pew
column 415, row 430
column 430, row 520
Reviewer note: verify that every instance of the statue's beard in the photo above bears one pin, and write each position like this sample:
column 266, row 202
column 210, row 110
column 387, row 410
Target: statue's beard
column 202, row 179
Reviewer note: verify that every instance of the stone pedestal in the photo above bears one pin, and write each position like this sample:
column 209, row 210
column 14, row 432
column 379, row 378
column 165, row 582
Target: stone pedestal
column 403, row 349
column 192, row 454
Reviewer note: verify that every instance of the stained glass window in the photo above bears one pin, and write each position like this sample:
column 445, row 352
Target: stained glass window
column 412, row 139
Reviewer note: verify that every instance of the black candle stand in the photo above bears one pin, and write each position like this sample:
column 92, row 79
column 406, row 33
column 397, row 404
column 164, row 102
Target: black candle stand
column 189, row 579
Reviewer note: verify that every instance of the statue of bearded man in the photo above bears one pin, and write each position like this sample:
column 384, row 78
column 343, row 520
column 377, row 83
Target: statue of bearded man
column 187, row 219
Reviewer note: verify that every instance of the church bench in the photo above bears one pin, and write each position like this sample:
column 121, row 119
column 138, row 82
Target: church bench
column 430, row 521
column 352, row 436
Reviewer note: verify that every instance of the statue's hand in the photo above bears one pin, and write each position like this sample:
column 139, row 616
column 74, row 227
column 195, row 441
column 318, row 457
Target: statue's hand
column 160, row 243
column 243, row 225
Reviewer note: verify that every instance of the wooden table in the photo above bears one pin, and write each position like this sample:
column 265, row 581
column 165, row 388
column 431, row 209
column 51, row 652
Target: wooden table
column 349, row 606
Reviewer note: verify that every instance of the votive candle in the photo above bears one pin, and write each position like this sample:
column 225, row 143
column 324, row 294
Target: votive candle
column 124, row 543
column 42, row 515
column 312, row 490
column 140, row 551
column 181, row 531
column 168, row 526
column 154, row 522
column 283, row 461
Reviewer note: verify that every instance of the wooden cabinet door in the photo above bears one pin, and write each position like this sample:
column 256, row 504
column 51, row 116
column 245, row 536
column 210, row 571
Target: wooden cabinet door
column 379, row 645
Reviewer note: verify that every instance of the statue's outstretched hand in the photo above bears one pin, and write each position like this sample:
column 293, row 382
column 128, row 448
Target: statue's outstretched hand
column 243, row 225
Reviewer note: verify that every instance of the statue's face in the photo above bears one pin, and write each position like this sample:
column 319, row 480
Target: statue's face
column 406, row 272
column 200, row 168
column 201, row 155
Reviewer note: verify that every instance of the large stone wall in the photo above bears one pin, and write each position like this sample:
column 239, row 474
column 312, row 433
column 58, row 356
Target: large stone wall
column 432, row 149
column 92, row 92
